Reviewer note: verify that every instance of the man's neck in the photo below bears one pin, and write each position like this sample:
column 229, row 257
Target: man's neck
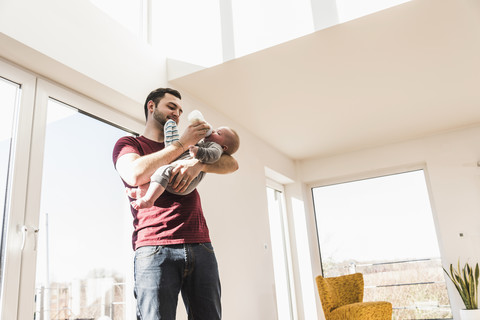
column 153, row 133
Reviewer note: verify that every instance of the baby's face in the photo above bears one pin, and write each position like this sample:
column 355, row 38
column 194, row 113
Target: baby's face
column 222, row 136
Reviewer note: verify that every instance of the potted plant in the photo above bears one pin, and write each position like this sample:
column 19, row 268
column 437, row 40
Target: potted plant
column 466, row 282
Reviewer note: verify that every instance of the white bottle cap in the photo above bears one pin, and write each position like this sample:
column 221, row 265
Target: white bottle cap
column 196, row 115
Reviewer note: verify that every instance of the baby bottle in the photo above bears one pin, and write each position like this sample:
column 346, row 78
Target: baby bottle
column 196, row 115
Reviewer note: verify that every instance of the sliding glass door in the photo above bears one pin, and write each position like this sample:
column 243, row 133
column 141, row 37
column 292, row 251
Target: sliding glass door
column 83, row 245
column 65, row 225
column 17, row 90
column 9, row 93
column 83, row 229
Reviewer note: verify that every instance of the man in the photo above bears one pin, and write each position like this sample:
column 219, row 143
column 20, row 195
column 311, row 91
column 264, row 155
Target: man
column 172, row 246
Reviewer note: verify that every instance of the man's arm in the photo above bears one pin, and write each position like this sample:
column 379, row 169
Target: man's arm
column 137, row 170
column 185, row 171
column 226, row 164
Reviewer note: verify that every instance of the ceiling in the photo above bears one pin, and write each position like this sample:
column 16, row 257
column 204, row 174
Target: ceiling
column 403, row 73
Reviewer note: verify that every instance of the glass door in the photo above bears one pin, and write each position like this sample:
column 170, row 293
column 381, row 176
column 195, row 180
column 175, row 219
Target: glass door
column 9, row 92
column 62, row 202
column 78, row 252
column 281, row 253
column 84, row 231
column 16, row 103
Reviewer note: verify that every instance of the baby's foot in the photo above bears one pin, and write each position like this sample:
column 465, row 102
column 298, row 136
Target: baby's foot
column 133, row 193
column 141, row 204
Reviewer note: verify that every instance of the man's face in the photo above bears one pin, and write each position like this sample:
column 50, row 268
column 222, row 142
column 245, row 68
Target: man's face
column 168, row 107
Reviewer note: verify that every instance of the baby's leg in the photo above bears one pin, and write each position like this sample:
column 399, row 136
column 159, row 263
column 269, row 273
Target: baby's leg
column 170, row 131
column 138, row 192
column 158, row 183
column 154, row 191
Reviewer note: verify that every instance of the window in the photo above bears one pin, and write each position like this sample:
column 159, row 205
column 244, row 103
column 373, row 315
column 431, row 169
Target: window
column 261, row 24
column 127, row 13
column 383, row 227
column 85, row 225
column 351, row 9
column 9, row 94
column 188, row 30
column 281, row 254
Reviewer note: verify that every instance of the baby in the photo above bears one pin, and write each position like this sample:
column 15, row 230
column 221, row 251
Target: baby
column 208, row 150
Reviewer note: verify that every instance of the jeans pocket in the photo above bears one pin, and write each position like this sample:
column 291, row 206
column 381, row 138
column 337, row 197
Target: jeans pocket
column 147, row 251
column 207, row 246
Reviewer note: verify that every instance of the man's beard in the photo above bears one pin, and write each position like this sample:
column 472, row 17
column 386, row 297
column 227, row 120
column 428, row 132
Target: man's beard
column 159, row 117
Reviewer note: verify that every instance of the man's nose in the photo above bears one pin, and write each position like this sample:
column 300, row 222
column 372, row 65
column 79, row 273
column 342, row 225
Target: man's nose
column 176, row 114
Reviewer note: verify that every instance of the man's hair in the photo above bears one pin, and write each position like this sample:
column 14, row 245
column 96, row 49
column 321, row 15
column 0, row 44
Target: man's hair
column 157, row 94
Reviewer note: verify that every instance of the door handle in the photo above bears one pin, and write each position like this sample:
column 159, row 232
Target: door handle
column 24, row 237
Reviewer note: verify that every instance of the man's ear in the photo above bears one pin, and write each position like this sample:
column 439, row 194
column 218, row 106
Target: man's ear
column 150, row 105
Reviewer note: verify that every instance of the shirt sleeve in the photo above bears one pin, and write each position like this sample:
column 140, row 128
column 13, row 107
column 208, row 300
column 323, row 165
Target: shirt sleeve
column 209, row 152
column 123, row 146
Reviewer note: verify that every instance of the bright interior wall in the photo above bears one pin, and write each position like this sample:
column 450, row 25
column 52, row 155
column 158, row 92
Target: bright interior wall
column 453, row 178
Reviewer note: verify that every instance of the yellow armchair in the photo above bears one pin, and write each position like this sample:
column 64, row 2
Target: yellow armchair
column 342, row 299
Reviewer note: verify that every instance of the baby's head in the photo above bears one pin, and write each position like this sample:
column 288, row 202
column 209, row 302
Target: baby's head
column 227, row 138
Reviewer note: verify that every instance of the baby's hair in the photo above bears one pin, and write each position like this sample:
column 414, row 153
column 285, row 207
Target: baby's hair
column 234, row 143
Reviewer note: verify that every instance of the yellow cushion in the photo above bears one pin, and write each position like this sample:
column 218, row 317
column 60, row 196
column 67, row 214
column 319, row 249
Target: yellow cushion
column 363, row 311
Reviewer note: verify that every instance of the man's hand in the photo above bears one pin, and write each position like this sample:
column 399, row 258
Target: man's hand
column 194, row 133
column 183, row 172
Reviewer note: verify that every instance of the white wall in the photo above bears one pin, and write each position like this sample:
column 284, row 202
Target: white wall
column 454, row 185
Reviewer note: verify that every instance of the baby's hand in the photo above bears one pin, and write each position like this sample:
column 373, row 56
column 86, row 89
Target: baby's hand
column 193, row 151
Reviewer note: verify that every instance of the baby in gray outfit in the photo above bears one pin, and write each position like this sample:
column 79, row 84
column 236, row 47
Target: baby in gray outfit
column 208, row 150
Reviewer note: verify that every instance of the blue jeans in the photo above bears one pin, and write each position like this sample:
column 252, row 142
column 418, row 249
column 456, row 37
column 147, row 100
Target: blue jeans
column 162, row 272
